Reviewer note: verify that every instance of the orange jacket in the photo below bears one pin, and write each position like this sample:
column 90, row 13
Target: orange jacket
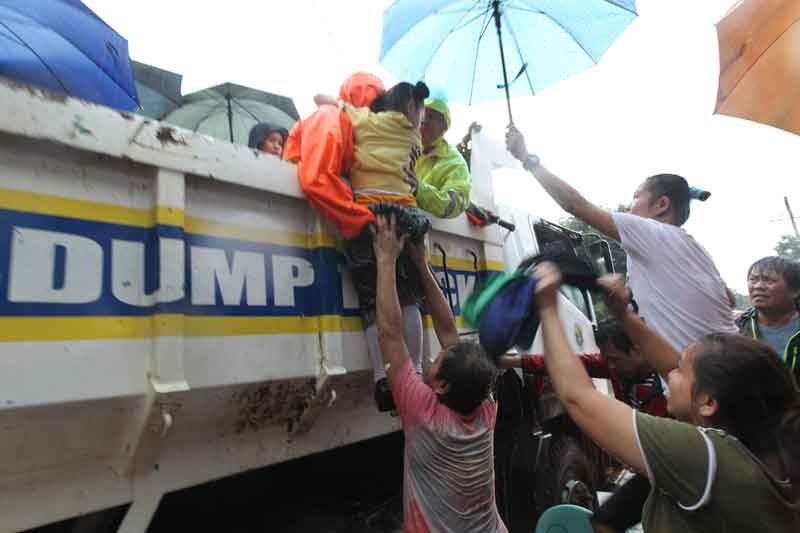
column 322, row 147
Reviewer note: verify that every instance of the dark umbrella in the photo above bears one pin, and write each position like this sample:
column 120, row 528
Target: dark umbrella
column 63, row 46
column 159, row 90
column 229, row 111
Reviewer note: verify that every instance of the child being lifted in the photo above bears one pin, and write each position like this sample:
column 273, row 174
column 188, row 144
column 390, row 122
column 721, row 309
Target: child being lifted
column 387, row 144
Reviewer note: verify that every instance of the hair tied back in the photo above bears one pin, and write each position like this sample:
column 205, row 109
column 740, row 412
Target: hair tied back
column 698, row 194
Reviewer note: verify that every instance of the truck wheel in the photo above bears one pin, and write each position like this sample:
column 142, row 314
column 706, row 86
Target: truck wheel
column 568, row 477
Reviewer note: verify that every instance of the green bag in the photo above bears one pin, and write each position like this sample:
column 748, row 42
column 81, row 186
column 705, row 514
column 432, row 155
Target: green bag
column 476, row 302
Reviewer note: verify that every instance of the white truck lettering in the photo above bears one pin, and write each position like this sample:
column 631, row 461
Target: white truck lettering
column 128, row 272
column 33, row 267
column 247, row 273
column 288, row 273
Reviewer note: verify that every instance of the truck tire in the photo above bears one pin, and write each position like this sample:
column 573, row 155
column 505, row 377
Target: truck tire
column 568, row 476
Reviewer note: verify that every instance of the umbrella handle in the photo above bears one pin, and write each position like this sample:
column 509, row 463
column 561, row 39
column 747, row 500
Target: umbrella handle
column 496, row 15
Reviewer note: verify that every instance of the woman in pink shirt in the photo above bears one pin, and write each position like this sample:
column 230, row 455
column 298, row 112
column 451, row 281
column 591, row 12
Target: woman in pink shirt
column 448, row 415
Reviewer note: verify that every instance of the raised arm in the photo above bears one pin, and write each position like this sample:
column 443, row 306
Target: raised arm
column 562, row 192
column 605, row 420
column 443, row 321
column 389, row 318
column 658, row 352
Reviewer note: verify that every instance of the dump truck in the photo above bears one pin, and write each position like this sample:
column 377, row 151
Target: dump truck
column 173, row 312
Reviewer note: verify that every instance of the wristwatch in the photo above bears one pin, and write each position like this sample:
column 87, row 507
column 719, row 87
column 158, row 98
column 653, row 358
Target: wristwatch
column 531, row 162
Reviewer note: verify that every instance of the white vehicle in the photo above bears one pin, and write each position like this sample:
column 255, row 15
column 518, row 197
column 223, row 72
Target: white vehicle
column 173, row 312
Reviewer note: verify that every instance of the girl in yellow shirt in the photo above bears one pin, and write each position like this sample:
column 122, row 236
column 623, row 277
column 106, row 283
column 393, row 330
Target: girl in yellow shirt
column 387, row 144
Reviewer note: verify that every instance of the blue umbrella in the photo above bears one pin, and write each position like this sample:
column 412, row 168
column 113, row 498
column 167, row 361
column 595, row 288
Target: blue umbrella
column 63, row 46
column 445, row 43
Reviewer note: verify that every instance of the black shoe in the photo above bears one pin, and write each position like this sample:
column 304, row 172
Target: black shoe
column 383, row 395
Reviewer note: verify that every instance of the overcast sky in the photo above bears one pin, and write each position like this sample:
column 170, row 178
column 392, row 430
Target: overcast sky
column 646, row 108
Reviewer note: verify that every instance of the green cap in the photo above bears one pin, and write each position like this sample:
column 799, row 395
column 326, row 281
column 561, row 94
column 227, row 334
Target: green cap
column 437, row 104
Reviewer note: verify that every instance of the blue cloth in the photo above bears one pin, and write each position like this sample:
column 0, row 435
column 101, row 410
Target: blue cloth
column 452, row 44
column 63, row 46
column 510, row 319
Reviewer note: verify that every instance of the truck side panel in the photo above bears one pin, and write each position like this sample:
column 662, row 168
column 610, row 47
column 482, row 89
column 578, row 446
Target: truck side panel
column 171, row 312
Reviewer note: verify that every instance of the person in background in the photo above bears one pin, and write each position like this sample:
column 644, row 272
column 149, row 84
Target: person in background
column 679, row 290
column 773, row 284
column 444, row 180
column 635, row 383
column 268, row 138
column 731, row 460
column 634, row 380
column 448, row 416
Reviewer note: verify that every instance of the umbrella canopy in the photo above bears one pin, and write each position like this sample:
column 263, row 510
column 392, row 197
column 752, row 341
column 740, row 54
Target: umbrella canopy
column 759, row 57
column 450, row 43
column 228, row 111
column 159, row 90
column 63, row 46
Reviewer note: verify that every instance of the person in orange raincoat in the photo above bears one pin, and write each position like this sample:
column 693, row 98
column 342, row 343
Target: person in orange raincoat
column 322, row 146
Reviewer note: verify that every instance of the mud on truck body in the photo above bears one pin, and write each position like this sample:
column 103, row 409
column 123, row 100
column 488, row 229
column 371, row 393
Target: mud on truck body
column 173, row 312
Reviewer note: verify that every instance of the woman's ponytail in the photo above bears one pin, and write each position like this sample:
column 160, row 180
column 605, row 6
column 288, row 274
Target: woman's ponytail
column 398, row 97
column 420, row 92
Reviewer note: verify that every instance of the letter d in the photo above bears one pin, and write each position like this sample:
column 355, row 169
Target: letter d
column 33, row 268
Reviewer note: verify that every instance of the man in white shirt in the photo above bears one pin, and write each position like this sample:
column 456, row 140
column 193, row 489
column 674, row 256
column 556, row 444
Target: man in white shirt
column 680, row 292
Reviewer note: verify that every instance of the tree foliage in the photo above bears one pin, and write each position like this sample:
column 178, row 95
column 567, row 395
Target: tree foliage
column 788, row 247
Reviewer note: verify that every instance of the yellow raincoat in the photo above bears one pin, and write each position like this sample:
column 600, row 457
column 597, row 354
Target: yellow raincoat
column 444, row 181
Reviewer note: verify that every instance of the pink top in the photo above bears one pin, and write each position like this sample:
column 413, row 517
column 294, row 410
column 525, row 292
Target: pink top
column 449, row 461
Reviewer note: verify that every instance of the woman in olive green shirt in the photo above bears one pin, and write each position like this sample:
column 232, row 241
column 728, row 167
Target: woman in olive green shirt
column 742, row 476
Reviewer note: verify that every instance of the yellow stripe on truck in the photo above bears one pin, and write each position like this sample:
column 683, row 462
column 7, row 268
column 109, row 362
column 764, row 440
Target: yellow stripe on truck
column 51, row 328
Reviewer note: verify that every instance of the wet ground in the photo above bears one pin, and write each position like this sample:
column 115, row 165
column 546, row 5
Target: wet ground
column 356, row 489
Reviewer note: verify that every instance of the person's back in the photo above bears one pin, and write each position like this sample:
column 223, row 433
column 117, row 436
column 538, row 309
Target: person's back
column 675, row 282
column 386, row 146
column 449, row 467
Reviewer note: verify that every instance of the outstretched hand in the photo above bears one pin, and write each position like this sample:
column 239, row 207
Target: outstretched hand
column 618, row 295
column 475, row 127
column 386, row 242
column 515, row 143
column 548, row 281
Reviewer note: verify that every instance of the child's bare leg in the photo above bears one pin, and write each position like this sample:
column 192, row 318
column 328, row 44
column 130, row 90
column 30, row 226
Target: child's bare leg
column 375, row 354
column 412, row 333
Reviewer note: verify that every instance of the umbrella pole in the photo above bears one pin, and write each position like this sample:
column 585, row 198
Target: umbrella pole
column 230, row 115
column 496, row 15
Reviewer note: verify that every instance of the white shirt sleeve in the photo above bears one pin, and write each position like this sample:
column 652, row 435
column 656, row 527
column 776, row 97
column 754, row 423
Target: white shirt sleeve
column 639, row 236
